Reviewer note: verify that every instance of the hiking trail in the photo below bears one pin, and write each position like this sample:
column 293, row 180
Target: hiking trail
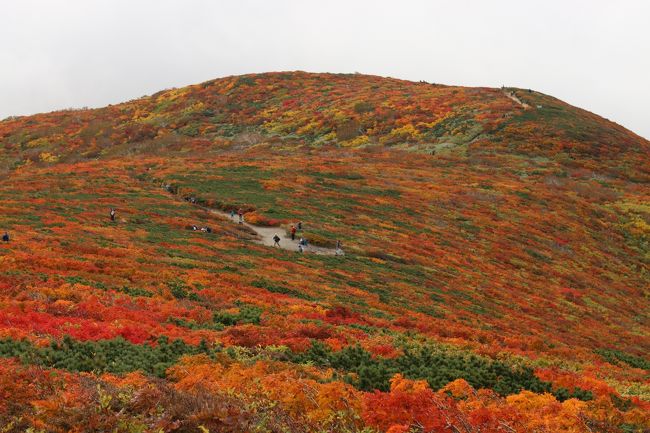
column 511, row 94
column 266, row 234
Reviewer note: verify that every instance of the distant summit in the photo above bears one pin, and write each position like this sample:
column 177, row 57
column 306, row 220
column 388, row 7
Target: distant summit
column 346, row 110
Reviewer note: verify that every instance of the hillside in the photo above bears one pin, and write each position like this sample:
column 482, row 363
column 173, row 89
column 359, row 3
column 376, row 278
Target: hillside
column 495, row 277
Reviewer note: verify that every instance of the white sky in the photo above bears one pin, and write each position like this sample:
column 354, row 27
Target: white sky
column 58, row 54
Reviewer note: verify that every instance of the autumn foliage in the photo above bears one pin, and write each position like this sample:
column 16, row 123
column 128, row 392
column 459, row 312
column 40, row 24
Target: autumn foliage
column 494, row 279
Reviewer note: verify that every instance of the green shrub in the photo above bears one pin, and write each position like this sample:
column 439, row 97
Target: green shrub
column 178, row 289
column 247, row 314
column 437, row 367
column 104, row 356
column 615, row 356
column 273, row 287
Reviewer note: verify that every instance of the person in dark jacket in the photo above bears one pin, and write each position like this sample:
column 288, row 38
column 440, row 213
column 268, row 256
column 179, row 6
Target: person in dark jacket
column 5, row 237
column 112, row 214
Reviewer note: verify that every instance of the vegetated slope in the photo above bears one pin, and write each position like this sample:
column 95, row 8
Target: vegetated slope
column 350, row 110
column 488, row 247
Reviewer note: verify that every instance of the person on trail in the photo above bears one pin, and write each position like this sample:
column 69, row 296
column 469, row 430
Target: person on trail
column 5, row 237
column 338, row 251
column 293, row 233
column 240, row 212
column 112, row 214
column 194, row 228
column 276, row 240
column 299, row 225
column 232, row 214
column 208, row 229
column 300, row 248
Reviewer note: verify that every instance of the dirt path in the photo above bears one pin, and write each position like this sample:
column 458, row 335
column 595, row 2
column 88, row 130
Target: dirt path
column 266, row 235
column 510, row 94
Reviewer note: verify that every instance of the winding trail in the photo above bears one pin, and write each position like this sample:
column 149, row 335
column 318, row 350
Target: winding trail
column 510, row 94
column 266, row 234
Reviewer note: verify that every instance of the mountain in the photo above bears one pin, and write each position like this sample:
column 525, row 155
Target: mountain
column 495, row 276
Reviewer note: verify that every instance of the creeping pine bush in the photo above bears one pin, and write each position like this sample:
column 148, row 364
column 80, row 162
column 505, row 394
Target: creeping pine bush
column 246, row 314
column 436, row 367
column 105, row 356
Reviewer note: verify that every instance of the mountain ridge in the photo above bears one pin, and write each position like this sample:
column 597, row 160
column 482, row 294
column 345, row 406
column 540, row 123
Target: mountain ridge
column 427, row 117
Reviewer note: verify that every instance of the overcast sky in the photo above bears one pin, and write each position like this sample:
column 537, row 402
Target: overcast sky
column 72, row 53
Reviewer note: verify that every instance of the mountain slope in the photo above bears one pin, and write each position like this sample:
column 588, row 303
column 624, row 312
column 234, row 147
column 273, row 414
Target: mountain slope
column 351, row 110
column 488, row 242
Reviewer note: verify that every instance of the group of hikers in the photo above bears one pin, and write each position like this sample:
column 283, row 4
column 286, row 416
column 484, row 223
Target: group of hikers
column 294, row 229
column 240, row 213
column 302, row 242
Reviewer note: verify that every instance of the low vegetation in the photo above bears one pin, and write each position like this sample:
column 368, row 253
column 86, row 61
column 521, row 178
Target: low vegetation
column 494, row 279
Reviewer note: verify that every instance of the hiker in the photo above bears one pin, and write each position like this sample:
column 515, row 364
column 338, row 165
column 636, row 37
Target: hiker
column 240, row 212
column 299, row 225
column 232, row 214
column 5, row 237
column 300, row 248
column 208, row 229
column 338, row 251
column 276, row 240
column 194, row 228
column 112, row 214
column 293, row 232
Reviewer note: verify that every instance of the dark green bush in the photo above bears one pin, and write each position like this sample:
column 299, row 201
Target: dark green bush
column 247, row 314
column 105, row 356
column 178, row 289
column 615, row 356
column 436, row 367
